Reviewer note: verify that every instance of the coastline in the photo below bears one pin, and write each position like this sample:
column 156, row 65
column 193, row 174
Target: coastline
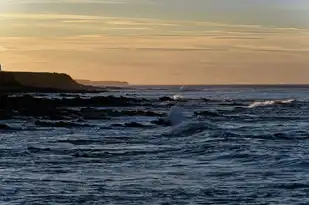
column 12, row 82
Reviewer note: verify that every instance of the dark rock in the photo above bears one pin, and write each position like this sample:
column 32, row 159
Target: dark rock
column 6, row 114
column 117, row 125
column 59, row 124
column 36, row 150
column 239, row 109
column 138, row 113
column 232, row 104
column 68, row 95
column 4, row 127
column 206, row 100
column 80, row 120
column 61, row 114
column 208, row 114
column 161, row 122
column 91, row 113
column 165, row 98
column 131, row 125
column 55, row 109
column 135, row 125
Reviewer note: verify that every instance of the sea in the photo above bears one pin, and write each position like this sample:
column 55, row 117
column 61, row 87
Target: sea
column 224, row 145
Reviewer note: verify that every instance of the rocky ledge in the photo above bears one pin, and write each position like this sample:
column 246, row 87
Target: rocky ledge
column 71, row 108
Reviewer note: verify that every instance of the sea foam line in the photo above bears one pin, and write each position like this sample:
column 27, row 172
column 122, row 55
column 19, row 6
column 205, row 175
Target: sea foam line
column 270, row 102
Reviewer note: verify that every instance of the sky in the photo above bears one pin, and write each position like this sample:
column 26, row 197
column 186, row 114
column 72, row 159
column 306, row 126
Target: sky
column 159, row 41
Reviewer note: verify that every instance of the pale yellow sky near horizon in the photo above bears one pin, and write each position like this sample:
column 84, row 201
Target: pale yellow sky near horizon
column 159, row 42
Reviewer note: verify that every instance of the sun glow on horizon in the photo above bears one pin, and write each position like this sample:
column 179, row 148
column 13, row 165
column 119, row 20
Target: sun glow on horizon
column 165, row 42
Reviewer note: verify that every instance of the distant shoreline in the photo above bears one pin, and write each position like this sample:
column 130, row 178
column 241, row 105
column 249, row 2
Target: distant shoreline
column 23, row 82
column 102, row 83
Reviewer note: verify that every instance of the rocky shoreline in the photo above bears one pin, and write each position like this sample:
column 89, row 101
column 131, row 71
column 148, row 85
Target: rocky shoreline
column 74, row 111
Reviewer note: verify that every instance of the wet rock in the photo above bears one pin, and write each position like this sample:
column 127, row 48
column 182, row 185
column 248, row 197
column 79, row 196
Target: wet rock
column 59, row 124
column 80, row 120
column 36, row 150
column 138, row 113
column 161, row 122
column 208, row 114
column 135, row 125
column 206, row 100
column 55, row 109
column 165, row 98
column 131, row 125
column 6, row 114
column 4, row 127
column 238, row 109
column 117, row 125
column 232, row 103
column 92, row 113
column 68, row 95
column 61, row 114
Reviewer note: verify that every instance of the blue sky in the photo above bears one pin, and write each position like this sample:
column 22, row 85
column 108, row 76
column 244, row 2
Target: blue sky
column 166, row 40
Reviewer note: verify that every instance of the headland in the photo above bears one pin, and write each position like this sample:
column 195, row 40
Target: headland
column 103, row 83
column 39, row 82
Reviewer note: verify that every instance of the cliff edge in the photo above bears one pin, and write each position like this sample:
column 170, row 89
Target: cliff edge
column 33, row 81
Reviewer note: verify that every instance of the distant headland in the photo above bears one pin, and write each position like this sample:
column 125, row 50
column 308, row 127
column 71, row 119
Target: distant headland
column 38, row 82
column 103, row 83
column 15, row 81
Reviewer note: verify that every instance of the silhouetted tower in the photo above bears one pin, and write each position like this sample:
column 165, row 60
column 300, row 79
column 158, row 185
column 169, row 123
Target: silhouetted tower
column 0, row 67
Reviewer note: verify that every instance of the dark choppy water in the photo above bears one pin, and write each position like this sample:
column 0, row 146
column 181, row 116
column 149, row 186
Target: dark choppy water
column 250, row 147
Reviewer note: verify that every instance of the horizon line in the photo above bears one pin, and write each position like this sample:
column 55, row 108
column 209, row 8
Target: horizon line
column 226, row 84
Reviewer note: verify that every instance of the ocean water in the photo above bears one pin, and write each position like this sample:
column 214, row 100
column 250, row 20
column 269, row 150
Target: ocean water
column 228, row 145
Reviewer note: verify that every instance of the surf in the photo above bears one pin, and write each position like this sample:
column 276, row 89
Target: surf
column 270, row 103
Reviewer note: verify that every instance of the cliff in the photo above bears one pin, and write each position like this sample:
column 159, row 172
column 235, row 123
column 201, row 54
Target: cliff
column 32, row 81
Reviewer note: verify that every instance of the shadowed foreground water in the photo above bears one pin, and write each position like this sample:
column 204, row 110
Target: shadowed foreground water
column 235, row 146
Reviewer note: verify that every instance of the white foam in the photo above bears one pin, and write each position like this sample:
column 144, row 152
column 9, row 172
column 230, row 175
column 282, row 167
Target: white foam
column 270, row 102
column 177, row 97
column 175, row 116
column 182, row 88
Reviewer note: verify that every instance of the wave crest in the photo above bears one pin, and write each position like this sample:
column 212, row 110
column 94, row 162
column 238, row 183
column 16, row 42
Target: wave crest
column 270, row 102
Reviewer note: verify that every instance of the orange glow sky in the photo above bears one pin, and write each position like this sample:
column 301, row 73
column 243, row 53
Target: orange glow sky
column 159, row 42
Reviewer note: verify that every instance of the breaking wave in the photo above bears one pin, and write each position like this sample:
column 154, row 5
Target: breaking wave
column 270, row 102
column 177, row 97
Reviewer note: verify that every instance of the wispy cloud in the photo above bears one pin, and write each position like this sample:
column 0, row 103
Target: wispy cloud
column 148, row 41
column 154, row 59
column 73, row 24
column 2, row 48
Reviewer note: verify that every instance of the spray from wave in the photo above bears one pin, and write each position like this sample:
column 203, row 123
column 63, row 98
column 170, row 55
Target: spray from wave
column 175, row 116
column 182, row 88
column 270, row 102
column 179, row 96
